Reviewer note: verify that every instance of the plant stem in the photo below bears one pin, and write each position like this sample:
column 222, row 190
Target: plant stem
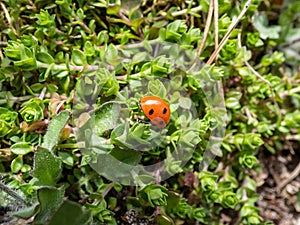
column 25, row 98
column 81, row 144
column 264, row 80
column 72, row 67
column 227, row 35
column 139, row 44
column 3, row 43
column 290, row 92
column 8, row 18
column 12, row 193
column 68, row 145
column 185, row 11
column 216, row 25
column 206, row 29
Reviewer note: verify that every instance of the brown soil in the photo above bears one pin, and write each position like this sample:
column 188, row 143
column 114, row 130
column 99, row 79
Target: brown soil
column 278, row 186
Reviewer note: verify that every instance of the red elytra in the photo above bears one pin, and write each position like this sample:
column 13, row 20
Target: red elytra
column 156, row 109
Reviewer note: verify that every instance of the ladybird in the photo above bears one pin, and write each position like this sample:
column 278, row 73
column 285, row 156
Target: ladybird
column 156, row 109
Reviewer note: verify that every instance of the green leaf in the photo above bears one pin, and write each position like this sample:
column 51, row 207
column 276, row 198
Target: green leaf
column 21, row 148
column 21, row 55
column 62, row 74
column 32, row 110
column 229, row 51
column 101, row 212
column 139, row 57
column 112, row 55
column 185, row 102
column 260, row 22
column 199, row 214
column 252, row 140
column 37, row 87
column 13, row 50
column 298, row 197
column 7, row 115
column 25, row 168
column 7, row 121
column 250, row 183
column 16, row 164
column 253, row 40
column 247, row 210
column 173, row 166
column 26, row 64
column 248, row 160
column 29, row 41
column 157, row 87
column 55, row 127
column 232, row 100
column 182, row 208
column 45, row 19
column 5, row 128
column 164, row 220
column 78, row 58
column 229, row 199
column 50, row 199
column 106, row 118
column 45, row 57
column 126, row 156
column 47, row 167
column 52, row 88
column 66, row 158
column 71, row 213
column 254, row 219
column 101, row 4
column 155, row 195
column 89, row 49
column 113, row 9
column 208, row 181
column 27, row 212
column 175, row 30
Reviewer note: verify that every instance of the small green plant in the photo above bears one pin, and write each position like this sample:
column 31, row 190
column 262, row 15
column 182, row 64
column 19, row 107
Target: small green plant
column 77, row 149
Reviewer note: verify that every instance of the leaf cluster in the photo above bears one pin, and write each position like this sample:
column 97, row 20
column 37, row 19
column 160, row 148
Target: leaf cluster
column 71, row 77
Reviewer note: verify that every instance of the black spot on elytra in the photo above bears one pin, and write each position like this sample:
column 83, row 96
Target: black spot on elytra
column 151, row 111
column 165, row 111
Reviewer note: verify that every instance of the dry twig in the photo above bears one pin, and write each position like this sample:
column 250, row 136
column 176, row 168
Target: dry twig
column 216, row 25
column 206, row 29
column 292, row 176
column 227, row 35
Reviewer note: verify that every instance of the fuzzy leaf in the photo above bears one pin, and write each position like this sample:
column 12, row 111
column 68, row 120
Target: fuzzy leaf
column 71, row 213
column 50, row 199
column 47, row 167
column 265, row 31
column 55, row 127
